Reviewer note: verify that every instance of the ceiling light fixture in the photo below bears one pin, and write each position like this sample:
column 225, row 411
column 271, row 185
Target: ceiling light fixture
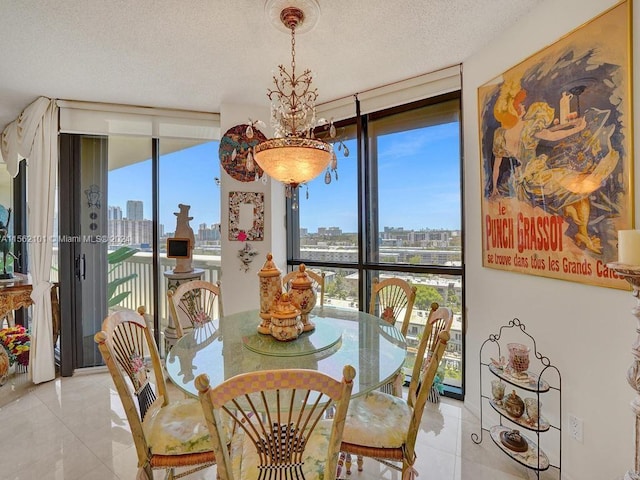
column 294, row 156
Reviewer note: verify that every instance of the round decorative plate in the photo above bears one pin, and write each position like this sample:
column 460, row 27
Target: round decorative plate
column 236, row 153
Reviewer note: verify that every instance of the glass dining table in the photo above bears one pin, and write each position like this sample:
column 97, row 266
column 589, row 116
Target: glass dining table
column 231, row 345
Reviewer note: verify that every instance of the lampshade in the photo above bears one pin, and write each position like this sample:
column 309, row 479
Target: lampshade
column 293, row 160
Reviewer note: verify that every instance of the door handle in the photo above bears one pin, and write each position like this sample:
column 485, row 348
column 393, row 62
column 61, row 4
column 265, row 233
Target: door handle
column 76, row 267
column 80, row 261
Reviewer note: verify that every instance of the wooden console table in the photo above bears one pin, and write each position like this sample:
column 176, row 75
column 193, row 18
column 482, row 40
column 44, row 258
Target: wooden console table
column 14, row 294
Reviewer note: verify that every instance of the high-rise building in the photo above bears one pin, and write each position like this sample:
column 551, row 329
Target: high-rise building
column 135, row 210
column 115, row 213
column 208, row 233
column 130, row 232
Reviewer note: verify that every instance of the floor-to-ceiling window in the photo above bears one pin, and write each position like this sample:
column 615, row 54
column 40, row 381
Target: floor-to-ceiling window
column 189, row 174
column 395, row 209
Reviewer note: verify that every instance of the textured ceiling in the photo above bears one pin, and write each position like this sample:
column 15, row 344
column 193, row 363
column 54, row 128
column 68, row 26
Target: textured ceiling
column 197, row 54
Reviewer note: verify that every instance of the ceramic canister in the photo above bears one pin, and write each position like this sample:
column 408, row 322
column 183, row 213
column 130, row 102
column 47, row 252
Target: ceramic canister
column 303, row 296
column 285, row 320
column 270, row 291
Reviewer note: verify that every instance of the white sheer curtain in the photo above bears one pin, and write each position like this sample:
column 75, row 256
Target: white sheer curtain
column 34, row 136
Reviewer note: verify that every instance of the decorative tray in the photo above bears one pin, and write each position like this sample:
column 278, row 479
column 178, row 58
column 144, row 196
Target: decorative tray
column 321, row 339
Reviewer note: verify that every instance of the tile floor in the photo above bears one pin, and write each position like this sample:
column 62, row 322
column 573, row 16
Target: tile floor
column 75, row 428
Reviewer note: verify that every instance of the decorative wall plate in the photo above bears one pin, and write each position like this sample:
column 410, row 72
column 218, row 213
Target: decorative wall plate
column 236, row 153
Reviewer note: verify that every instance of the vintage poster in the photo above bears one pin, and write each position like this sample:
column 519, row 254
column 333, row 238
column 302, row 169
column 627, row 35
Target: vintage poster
column 555, row 145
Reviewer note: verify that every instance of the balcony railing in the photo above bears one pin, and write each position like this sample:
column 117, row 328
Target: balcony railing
column 141, row 287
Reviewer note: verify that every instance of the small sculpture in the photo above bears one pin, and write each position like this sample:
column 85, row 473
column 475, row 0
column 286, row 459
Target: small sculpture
column 183, row 230
column 246, row 254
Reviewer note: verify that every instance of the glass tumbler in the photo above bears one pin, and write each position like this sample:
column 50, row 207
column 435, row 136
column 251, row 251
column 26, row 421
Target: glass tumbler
column 497, row 389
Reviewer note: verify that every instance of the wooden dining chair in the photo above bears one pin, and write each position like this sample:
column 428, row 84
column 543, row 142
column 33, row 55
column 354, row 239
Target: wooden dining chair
column 392, row 300
column 287, row 424
column 167, row 435
column 317, row 281
column 194, row 303
column 440, row 320
column 385, row 427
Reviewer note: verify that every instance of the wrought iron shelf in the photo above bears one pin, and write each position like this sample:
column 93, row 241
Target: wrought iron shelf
column 548, row 380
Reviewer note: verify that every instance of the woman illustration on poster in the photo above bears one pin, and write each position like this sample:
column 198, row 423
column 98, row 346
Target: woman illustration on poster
column 549, row 165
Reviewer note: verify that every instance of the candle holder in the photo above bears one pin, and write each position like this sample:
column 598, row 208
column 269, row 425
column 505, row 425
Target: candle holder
column 631, row 273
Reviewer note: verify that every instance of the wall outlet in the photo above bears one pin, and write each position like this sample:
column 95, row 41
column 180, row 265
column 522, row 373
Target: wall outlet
column 575, row 428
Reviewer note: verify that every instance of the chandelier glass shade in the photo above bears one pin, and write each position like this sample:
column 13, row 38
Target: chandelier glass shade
column 294, row 156
column 293, row 160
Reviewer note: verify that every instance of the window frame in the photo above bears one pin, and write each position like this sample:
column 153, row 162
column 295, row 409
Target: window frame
column 366, row 196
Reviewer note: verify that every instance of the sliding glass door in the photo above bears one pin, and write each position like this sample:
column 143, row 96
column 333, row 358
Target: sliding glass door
column 118, row 197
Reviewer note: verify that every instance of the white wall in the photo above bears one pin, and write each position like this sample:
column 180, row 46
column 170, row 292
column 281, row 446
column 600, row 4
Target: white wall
column 240, row 289
column 586, row 331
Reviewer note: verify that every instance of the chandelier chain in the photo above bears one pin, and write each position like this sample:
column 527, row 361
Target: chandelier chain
column 293, row 51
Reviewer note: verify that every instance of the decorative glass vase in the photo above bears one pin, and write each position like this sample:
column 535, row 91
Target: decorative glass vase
column 303, row 296
column 532, row 405
column 497, row 389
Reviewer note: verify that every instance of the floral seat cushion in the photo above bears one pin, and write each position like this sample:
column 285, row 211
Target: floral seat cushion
column 377, row 420
column 245, row 459
column 177, row 428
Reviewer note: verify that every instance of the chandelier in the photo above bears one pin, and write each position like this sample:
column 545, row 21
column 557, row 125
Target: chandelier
column 294, row 156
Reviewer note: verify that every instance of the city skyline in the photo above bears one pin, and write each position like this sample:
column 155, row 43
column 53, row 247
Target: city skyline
column 189, row 176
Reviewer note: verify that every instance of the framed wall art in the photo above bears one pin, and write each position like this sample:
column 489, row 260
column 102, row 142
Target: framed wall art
column 246, row 216
column 556, row 152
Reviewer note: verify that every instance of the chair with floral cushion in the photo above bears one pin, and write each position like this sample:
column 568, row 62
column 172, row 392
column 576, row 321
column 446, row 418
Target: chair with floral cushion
column 287, row 423
column 385, row 427
column 392, row 300
column 167, row 435
column 194, row 303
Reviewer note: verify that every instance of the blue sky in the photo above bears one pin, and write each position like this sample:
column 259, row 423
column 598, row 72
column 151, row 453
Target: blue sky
column 419, row 183
column 186, row 176
column 418, row 180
